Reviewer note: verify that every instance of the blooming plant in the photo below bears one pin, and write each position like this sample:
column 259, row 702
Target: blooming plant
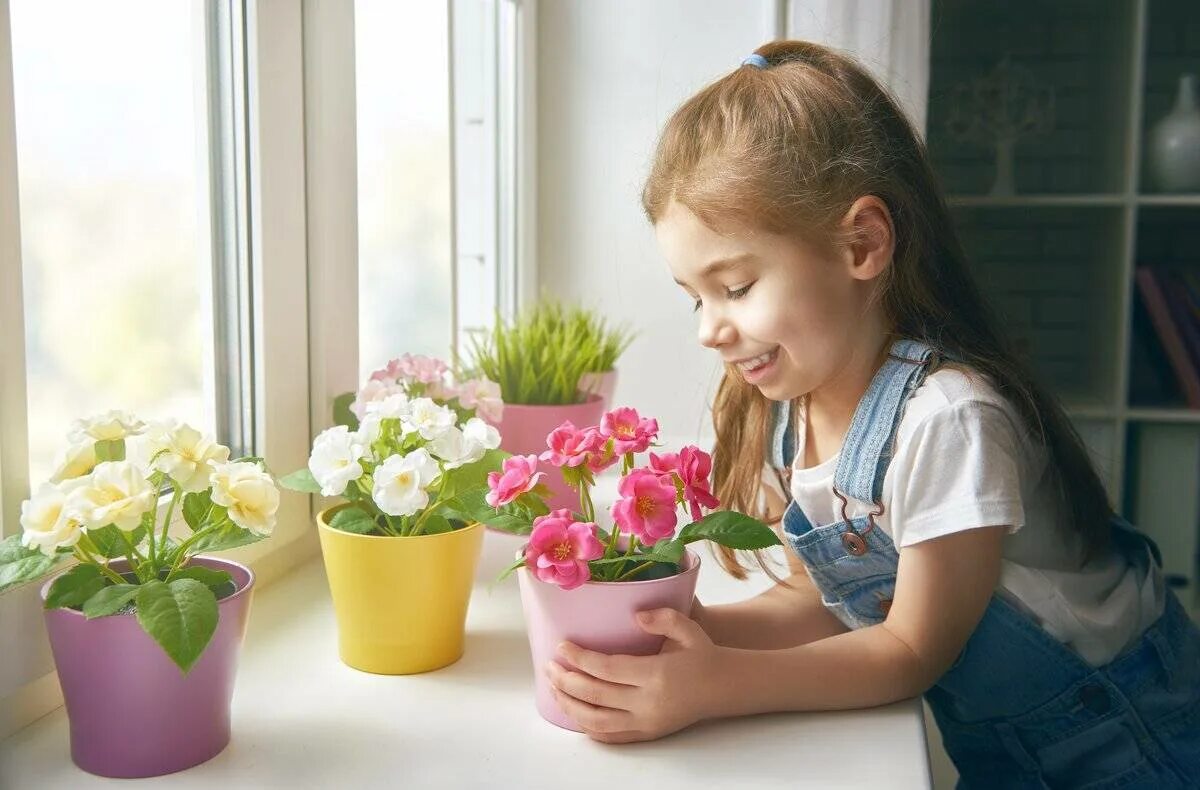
column 569, row 548
column 100, row 507
column 407, row 453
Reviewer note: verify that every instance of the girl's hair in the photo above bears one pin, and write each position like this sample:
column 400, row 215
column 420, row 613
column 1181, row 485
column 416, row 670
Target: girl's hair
column 788, row 149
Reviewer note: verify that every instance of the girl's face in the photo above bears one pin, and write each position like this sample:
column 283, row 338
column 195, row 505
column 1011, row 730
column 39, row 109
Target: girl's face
column 788, row 316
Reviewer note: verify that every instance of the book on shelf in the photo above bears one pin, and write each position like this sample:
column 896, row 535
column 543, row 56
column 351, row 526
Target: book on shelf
column 1168, row 304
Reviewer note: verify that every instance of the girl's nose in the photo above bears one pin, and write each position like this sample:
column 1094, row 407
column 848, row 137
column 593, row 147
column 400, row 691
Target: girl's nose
column 715, row 331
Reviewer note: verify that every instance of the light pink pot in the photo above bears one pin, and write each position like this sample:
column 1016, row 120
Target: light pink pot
column 523, row 430
column 598, row 616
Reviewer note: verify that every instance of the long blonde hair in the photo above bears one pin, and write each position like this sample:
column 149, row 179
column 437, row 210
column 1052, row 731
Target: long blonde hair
column 788, row 149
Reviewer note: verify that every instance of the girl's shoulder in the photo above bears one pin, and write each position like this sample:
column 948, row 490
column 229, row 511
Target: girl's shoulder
column 950, row 390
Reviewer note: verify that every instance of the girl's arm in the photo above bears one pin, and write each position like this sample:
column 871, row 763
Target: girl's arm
column 783, row 616
column 943, row 587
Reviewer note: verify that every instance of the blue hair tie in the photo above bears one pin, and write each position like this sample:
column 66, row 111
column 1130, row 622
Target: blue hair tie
column 756, row 60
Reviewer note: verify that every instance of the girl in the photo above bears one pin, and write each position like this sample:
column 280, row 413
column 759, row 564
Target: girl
column 950, row 537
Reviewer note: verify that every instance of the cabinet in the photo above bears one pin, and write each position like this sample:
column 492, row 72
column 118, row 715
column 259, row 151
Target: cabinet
column 1057, row 259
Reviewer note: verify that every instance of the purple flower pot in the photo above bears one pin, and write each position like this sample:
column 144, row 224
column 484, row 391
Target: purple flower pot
column 132, row 712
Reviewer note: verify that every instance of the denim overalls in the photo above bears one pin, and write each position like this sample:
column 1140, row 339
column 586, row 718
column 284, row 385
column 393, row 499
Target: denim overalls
column 1018, row 708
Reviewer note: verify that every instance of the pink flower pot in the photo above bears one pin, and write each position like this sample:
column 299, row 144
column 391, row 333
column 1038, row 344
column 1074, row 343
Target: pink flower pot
column 523, row 430
column 598, row 616
column 132, row 712
column 602, row 384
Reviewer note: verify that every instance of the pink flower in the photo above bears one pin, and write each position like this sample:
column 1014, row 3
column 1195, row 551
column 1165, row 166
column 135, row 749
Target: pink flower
column 426, row 370
column 602, row 456
column 482, row 395
column 647, row 506
column 569, row 446
column 665, row 464
column 391, row 373
column 694, row 468
column 375, row 389
column 559, row 549
column 630, row 433
column 515, row 478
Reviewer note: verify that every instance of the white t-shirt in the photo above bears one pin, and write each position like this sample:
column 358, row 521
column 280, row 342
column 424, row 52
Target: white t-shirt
column 963, row 459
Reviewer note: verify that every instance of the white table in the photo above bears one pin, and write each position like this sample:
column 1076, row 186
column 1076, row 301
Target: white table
column 303, row 719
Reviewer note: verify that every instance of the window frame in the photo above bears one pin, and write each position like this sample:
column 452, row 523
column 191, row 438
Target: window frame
column 301, row 241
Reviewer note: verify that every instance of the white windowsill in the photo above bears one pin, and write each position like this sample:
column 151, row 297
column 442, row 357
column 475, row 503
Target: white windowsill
column 303, row 719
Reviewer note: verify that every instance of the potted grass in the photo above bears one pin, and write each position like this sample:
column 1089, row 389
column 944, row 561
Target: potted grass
column 400, row 551
column 584, row 584
column 145, row 627
column 553, row 365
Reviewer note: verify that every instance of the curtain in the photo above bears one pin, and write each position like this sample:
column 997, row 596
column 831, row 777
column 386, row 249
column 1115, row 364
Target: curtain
column 889, row 37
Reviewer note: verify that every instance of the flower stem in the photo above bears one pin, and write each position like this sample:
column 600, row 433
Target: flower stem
column 638, row 569
column 176, row 493
column 90, row 555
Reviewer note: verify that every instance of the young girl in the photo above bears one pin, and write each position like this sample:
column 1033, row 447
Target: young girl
column 949, row 535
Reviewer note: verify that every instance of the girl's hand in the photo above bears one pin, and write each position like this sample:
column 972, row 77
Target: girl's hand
column 620, row 699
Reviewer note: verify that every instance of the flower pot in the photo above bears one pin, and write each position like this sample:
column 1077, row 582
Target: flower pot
column 400, row 603
column 523, row 430
column 132, row 712
column 603, row 384
column 597, row 616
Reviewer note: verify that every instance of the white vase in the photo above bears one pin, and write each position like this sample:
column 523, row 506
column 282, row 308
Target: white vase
column 1174, row 143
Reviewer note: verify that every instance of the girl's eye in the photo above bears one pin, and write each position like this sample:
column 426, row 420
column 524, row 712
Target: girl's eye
column 738, row 293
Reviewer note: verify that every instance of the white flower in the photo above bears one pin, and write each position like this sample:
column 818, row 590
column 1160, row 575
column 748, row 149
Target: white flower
column 248, row 494
column 182, row 453
column 373, row 391
column 117, row 492
column 47, row 522
column 110, row 426
column 461, row 447
column 429, row 419
column 400, row 482
column 334, row 462
column 394, row 406
column 76, row 461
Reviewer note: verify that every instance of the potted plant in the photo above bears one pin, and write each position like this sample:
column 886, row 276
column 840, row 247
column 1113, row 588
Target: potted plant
column 400, row 551
column 546, row 363
column 582, row 583
column 144, row 629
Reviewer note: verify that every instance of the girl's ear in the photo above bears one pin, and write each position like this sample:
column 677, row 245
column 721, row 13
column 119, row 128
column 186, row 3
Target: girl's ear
column 872, row 237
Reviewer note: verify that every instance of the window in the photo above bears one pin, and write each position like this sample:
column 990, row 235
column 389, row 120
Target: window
column 403, row 92
column 113, row 180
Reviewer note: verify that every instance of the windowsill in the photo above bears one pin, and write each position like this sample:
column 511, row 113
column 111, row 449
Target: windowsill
column 302, row 718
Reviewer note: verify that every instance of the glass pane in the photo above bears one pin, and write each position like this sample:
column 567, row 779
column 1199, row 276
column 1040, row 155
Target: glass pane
column 402, row 82
column 114, row 213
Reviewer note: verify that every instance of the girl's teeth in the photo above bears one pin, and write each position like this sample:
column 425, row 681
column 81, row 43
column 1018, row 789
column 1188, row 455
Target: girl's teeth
column 758, row 361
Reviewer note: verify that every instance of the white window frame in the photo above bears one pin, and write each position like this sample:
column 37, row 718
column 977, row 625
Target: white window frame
column 303, row 245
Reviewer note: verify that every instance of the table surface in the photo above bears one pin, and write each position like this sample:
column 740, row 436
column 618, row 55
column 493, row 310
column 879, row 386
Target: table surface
column 303, row 719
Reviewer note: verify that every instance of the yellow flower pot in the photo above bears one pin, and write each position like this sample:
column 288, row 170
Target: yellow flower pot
column 401, row 603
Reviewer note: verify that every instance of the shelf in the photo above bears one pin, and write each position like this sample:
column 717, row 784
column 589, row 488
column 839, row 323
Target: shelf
column 1168, row 200
column 1164, row 415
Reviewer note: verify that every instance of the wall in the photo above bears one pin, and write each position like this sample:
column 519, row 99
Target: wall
column 609, row 75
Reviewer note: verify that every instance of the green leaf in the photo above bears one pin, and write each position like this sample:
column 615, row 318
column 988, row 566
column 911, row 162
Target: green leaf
column 19, row 564
column 195, row 508
column 111, row 544
column 214, row 579
column 110, row 450
column 75, row 586
column 181, row 616
column 353, row 519
column 301, row 480
column 341, row 411
column 473, row 476
column 435, row 524
column 109, row 600
column 727, row 528
column 223, row 537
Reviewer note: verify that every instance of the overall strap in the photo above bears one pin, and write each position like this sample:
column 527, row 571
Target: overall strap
column 868, row 446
